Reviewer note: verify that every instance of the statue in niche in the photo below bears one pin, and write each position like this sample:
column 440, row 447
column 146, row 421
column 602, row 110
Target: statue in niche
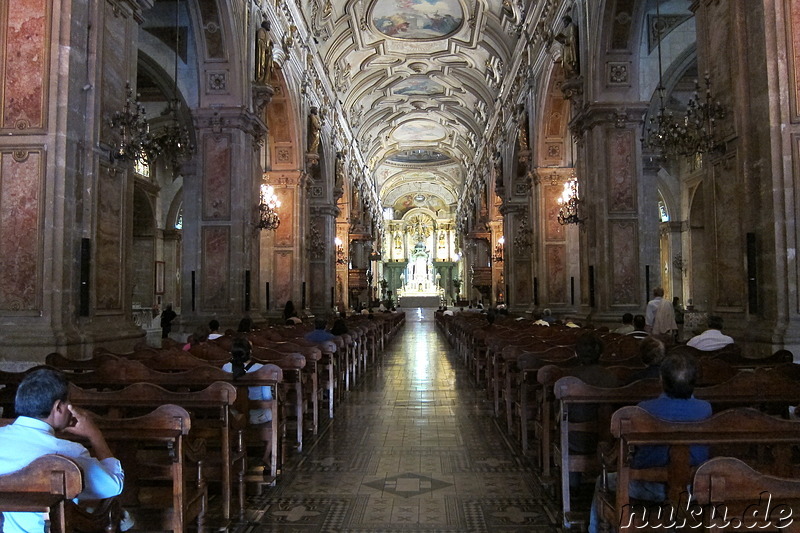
column 315, row 129
column 263, row 57
column 569, row 39
column 523, row 130
column 339, row 174
column 498, row 170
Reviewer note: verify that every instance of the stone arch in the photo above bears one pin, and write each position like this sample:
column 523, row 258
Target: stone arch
column 700, row 276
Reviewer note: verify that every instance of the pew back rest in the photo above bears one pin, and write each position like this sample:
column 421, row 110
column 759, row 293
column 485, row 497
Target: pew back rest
column 49, row 474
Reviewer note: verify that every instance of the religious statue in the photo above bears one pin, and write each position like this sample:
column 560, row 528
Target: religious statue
column 263, row 57
column 498, row 170
column 569, row 39
column 523, row 130
column 339, row 173
column 315, row 129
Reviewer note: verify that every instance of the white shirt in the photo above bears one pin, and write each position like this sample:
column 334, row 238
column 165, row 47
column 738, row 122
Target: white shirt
column 28, row 439
column 212, row 336
column 257, row 416
column 710, row 340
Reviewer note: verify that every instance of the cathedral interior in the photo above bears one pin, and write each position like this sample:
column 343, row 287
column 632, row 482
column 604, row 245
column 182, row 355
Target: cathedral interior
column 222, row 158
column 562, row 154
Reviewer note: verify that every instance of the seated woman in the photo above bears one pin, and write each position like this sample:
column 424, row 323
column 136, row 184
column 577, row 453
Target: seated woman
column 239, row 365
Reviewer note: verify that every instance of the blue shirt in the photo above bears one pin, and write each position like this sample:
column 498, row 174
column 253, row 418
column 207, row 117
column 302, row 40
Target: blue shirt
column 318, row 335
column 672, row 410
column 26, row 440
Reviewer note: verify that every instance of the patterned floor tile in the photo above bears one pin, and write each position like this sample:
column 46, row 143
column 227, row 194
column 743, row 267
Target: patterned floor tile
column 414, row 448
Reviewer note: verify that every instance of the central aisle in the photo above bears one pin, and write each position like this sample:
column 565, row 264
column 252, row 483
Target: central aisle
column 413, row 448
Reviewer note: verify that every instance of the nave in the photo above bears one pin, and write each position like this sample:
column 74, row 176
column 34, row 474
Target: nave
column 412, row 448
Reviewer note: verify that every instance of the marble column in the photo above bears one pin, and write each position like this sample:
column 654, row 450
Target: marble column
column 621, row 226
column 322, row 258
column 59, row 191
column 220, row 236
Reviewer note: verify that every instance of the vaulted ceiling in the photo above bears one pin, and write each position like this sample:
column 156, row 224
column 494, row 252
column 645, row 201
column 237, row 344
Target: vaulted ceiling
column 418, row 80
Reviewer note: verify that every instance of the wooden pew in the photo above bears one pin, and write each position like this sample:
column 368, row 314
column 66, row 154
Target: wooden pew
column 728, row 491
column 44, row 486
column 214, row 419
column 737, row 430
column 117, row 375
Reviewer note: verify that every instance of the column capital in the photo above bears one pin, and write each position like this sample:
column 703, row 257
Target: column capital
column 624, row 115
column 220, row 119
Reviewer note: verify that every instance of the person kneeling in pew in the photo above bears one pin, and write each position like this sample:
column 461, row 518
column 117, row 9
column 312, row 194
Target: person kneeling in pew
column 675, row 404
column 43, row 408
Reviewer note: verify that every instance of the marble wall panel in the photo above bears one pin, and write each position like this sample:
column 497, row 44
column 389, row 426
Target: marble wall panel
column 284, row 235
column 730, row 275
column 20, row 230
column 217, row 177
column 556, row 263
column 621, row 151
column 624, row 256
column 216, row 265
column 108, row 253
column 26, row 28
column 793, row 46
column 622, row 25
column 212, row 29
column 553, row 231
column 284, row 280
column 320, row 294
column 523, row 287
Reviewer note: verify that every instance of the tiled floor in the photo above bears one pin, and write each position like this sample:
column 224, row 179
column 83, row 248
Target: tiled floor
column 413, row 448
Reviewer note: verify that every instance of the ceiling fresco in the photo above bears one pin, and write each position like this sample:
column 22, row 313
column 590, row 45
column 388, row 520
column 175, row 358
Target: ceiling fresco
column 418, row 80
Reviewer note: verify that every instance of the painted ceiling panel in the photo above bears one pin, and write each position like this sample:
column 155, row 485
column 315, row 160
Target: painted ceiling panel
column 418, row 77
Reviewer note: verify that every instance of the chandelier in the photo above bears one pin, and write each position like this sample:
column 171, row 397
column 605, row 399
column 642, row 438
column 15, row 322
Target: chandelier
column 268, row 217
column 569, row 204
column 173, row 141
column 498, row 250
column 134, row 142
column 689, row 135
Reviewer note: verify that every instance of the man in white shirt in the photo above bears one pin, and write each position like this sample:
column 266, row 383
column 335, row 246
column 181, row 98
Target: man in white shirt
column 213, row 326
column 42, row 405
column 660, row 315
column 712, row 338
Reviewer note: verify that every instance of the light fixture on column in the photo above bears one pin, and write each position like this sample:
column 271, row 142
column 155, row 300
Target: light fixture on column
column 339, row 251
column 570, row 204
column 498, row 250
column 172, row 141
column 134, row 142
column 267, row 205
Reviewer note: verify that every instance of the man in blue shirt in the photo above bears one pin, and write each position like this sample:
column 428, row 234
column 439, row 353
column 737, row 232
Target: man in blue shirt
column 319, row 334
column 43, row 407
column 675, row 404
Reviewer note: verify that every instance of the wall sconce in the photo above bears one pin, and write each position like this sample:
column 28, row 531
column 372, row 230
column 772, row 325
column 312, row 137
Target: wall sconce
column 268, row 203
column 498, row 250
column 570, row 202
column 339, row 251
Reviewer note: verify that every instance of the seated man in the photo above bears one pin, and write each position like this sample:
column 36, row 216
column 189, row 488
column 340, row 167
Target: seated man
column 213, row 327
column 627, row 325
column 43, row 407
column 639, row 329
column 319, row 334
column 675, row 404
column 712, row 338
